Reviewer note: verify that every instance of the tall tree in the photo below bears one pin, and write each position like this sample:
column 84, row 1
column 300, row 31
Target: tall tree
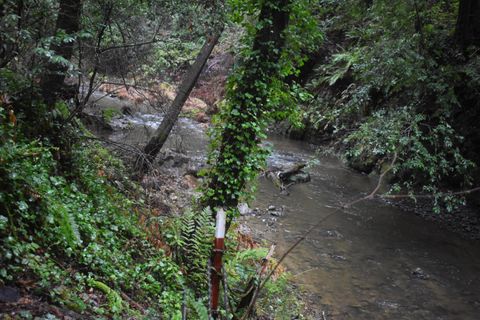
column 245, row 120
column 68, row 21
column 161, row 134
column 467, row 31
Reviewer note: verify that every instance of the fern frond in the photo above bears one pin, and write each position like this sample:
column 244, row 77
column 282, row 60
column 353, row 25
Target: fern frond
column 67, row 225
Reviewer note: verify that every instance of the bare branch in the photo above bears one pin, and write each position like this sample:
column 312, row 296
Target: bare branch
column 129, row 45
column 379, row 184
column 429, row 196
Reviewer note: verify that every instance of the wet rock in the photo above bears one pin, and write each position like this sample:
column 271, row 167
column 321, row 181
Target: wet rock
column 287, row 173
column 171, row 159
column 288, row 176
column 245, row 230
column 418, row 273
column 9, row 294
column 277, row 213
column 244, row 209
column 388, row 304
column 270, row 222
column 95, row 121
column 333, row 234
column 338, row 257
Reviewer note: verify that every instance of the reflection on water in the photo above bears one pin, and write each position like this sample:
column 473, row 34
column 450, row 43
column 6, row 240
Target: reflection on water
column 372, row 261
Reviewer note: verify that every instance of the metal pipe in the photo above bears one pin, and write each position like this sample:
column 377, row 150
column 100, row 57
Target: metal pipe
column 218, row 248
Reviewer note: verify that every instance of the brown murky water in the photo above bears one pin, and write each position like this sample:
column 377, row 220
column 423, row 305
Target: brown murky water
column 361, row 263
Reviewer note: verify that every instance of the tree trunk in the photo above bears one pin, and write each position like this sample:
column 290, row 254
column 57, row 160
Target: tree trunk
column 9, row 46
column 467, row 31
column 249, row 109
column 68, row 20
column 158, row 140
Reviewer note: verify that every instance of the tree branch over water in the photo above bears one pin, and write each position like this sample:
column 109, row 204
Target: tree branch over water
column 429, row 196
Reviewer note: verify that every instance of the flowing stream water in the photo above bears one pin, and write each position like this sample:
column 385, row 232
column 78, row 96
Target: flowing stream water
column 371, row 261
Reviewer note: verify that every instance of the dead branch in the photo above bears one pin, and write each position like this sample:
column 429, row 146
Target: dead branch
column 428, row 196
column 263, row 267
column 132, row 303
column 129, row 45
column 377, row 187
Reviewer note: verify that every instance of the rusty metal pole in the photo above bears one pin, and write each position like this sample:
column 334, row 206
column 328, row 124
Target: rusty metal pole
column 218, row 247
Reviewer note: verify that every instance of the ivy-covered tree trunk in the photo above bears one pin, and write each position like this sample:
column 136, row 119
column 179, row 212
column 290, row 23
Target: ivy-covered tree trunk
column 468, row 23
column 239, row 154
column 68, row 21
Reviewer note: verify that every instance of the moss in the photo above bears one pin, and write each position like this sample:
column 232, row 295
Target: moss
column 109, row 113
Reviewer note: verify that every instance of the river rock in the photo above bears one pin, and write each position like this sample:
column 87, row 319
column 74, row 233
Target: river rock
column 244, row 209
column 245, row 230
column 172, row 159
column 277, row 213
column 285, row 177
column 418, row 273
column 332, row 234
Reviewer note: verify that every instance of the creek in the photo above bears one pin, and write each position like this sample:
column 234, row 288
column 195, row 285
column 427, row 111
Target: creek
column 370, row 261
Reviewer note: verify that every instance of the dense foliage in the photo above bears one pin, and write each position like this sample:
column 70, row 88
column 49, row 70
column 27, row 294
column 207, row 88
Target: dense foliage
column 393, row 80
column 67, row 232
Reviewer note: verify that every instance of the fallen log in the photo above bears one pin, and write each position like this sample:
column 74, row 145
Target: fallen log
column 285, row 174
column 284, row 178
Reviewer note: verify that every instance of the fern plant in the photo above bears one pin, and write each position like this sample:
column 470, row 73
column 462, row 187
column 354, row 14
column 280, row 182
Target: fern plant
column 191, row 238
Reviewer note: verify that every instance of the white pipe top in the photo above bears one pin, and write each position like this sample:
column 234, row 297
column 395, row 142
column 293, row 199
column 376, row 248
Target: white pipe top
column 220, row 224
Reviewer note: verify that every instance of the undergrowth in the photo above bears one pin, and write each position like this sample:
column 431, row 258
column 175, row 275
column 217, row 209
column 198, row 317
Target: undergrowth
column 73, row 240
column 67, row 233
column 396, row 83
